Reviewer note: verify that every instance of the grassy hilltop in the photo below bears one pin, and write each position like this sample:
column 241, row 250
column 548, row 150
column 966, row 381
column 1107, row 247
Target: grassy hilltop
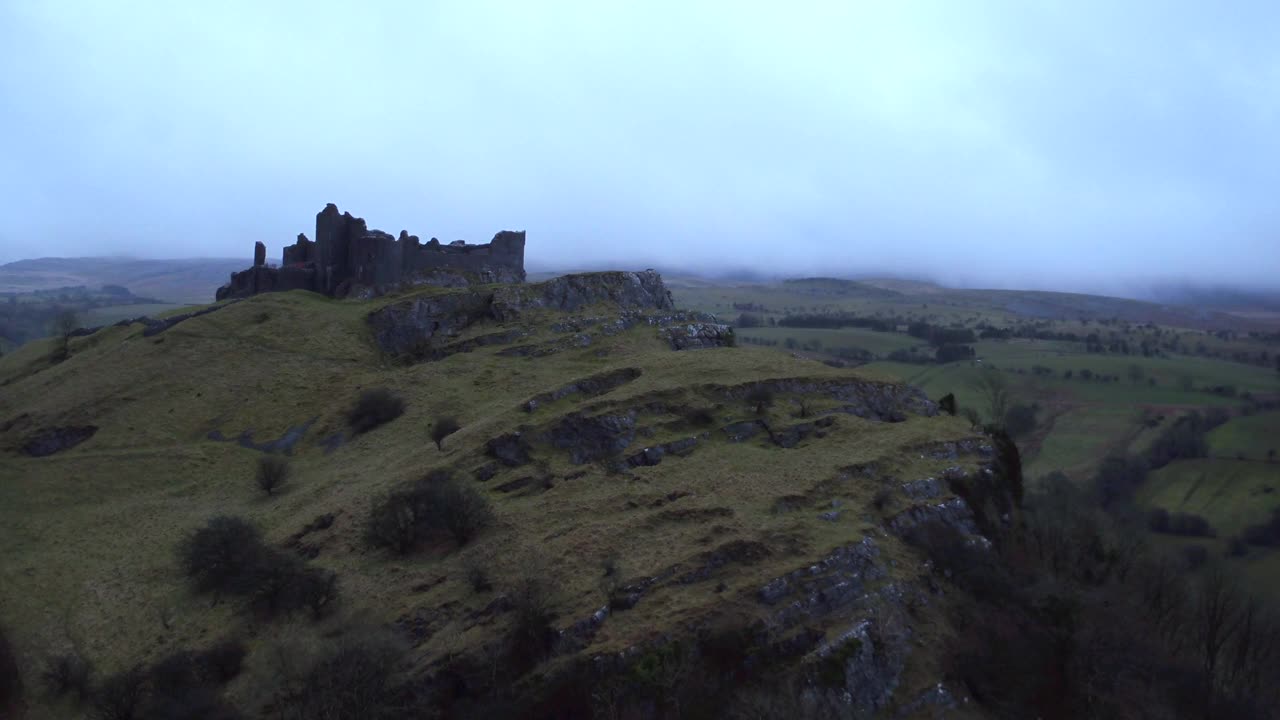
column 90, row 532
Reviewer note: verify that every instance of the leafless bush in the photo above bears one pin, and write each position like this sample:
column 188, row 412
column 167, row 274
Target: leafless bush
column 273, row 470
column 375, row 407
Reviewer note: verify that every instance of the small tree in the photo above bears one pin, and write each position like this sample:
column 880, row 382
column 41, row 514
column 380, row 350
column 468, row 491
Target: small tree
column 760, row 397
column 273, row 470
column 222, row 554
column 992, row 386
column 64, row 324
column 443, row 428
column 948, row 404
column 463, row 511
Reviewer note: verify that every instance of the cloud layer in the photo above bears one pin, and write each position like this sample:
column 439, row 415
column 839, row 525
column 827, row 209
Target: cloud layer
column 1000, row 143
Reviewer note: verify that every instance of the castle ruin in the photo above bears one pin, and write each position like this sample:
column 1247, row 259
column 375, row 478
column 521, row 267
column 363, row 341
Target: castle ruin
column 348, row 259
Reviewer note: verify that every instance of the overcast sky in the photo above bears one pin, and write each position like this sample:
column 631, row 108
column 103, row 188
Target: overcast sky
column 1008, row 144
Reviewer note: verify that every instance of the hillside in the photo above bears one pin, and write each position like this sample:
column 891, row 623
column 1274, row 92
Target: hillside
column 596, row 443
column 179, row 281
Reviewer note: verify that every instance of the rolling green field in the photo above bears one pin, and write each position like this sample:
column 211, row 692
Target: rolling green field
column 1231, row 494
column 1203, row 361
column 1253, row 437
column 878, row 343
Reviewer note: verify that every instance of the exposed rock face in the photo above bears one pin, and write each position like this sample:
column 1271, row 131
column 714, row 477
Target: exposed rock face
column 590, row 386
column 593, row 438
column 627, row 290
column 510, row 450
column 697, row 336
column 347, row 258
column 413, row 327
column 866, row 399
column 57, row 439
column 954, row 512
column 408, row 328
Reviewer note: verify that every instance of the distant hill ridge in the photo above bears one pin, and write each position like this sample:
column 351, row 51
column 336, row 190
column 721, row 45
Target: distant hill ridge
column 183, row 280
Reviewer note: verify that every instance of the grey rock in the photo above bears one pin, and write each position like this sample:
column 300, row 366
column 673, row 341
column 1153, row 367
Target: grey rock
column 630, row 290
column 410, row 327
column 510, row 449
column 954, row 512
column 739, row 431
column 55, row 440
column 590, row 387
column 925, row 489
column 699, row 336
column 594, row 438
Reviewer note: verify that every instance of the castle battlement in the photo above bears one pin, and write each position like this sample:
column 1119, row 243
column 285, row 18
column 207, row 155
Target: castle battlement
column 347, row 258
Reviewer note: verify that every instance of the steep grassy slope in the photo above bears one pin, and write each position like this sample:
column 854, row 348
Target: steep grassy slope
column 90, row 532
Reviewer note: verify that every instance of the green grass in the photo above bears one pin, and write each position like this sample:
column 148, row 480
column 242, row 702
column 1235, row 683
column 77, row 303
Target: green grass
column 1251, row 437
column 877, row 343
column 1231, row 494
column 1079, row 438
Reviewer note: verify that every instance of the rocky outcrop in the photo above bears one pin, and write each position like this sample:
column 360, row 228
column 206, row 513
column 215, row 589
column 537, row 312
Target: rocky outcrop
column 349, row 259
column 954, row 513
column 416, row 327
column 867, row 399
column 413, row 326
column 699, row 336
column 589, row 387
column 55, row 440
column 653, row 454
column 588, row 439
column 511, row 449
column 569, row 293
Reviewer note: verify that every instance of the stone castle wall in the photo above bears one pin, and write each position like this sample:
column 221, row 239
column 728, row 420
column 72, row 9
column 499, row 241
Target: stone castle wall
column 347, row 257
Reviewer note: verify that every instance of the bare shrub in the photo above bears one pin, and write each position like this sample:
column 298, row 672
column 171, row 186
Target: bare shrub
column 68, row 673
column 443, row 428
column 121, row 696
column 532, row 634
column 374, row 407
column 478, row 576
column 436, row 505
column 352, row 676
column 273, row 470
column 317, row 591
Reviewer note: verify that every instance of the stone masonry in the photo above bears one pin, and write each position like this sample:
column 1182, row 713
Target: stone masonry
column 348, row 259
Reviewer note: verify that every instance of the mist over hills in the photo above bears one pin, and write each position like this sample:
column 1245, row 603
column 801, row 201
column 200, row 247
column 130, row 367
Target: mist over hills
column 194, row 280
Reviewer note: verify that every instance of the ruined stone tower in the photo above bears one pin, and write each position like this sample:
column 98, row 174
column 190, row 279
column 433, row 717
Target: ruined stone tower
column 347, row 258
